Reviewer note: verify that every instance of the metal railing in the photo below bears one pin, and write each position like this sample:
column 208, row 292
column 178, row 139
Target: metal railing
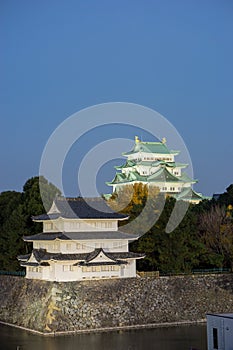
column 158, row 274
column 214, row 270
column 13, row 273
column 148, row 273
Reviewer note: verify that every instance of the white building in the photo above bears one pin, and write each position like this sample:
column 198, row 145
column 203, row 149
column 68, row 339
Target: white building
column 80, row 241
column 220, row 331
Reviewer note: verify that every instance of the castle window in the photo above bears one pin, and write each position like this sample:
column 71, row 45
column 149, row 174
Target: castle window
column 106, row 224
column 74, row 225
column 114, row 268
column 68, row 268
column 49, row 226
column 96, row 268
column 35, row 269
column 104, row 268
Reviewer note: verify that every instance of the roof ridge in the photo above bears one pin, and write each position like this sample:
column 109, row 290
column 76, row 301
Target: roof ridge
column 152, row 142
column 79, row 198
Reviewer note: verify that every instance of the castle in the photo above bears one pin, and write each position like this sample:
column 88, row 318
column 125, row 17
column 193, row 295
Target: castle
column 80, row 241
column 153, row 164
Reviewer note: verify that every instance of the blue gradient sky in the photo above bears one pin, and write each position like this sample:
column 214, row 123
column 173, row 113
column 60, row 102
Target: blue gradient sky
column 58, row 57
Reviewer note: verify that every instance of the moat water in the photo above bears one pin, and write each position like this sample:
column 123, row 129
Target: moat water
column 172, row 338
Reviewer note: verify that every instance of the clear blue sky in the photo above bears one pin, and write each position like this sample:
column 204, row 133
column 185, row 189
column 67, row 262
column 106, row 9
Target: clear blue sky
column 174, row 56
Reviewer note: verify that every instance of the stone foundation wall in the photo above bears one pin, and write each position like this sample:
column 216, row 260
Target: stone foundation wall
column 74, row 306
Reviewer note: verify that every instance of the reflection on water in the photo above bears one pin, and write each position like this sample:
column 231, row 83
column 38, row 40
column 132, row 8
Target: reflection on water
column 173, row 338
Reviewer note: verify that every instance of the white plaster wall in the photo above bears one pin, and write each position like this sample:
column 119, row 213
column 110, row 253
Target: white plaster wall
column 101, row 274
column 57, row 272
column 154, row 156
column 168, row 187
column 116, row 246
column 151, row 156
column 77, row 274
column 143, row 170
column 50, row 246
column 33, row 274
column 46, row 273
column 130, row 269
column 67, row 275
column 175, row 171
column 160, row 185
column 53, row 226
column 108, row 245
column 81, row 246
column 79, row 225
column 90, row 225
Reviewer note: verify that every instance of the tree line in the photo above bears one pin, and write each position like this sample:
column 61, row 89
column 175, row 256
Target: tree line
column 203, row 239
column 16, row 210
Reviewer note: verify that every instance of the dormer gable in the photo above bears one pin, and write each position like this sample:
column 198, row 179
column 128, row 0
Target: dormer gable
column 54, row 209
column 100, row 256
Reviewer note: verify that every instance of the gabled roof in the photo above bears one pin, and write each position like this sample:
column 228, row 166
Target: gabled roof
column 127, row 164
column 189, row 194
column 80, row 236
column 46, row 236
column 24, row 257
column 80, row 208
column 185, row 178
column 101, row 254
column 162, row 175
column 130, row 177
column 150, row 147
column 155, row 163
column 42, row 257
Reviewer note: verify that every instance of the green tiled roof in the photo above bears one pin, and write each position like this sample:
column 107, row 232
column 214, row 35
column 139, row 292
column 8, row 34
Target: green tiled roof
column 122, row 178
column 150, row 147
column 181, row 165
column 189, row 194
column 127, row 164
column 162, row 175
column 185, row 178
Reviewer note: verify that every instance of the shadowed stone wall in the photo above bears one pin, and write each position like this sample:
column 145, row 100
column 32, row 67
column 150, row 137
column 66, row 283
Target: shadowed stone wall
column 51, row 306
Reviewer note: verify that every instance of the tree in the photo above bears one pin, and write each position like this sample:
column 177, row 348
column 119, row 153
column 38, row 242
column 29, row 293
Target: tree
column 32, row 203
column 11, row 242
column 226, row 198
column 216, row 231
column 16, row 210
column 143, row 205
column 9, row 200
